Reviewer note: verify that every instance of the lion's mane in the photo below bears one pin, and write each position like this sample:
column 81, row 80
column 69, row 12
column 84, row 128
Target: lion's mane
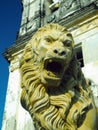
column 59, row 108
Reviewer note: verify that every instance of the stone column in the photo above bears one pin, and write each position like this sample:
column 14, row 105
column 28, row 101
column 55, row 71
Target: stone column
column 12, row 96
column 15, row 117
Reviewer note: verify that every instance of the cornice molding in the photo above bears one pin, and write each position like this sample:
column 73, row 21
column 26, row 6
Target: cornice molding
column 68, row 20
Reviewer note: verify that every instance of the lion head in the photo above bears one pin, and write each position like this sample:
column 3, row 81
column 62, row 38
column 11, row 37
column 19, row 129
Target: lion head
column 54, row 90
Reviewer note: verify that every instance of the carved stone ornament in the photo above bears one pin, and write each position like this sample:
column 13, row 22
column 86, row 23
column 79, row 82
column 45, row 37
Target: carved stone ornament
column 54, row 90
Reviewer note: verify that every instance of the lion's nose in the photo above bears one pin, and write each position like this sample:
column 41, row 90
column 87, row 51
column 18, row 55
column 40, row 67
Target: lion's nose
column 59, row 52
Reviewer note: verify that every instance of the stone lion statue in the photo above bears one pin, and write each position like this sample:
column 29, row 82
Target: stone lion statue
column 54, row 90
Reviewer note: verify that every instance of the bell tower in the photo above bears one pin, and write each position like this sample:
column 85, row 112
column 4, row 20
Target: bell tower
column 31, row 16
column 81, row 18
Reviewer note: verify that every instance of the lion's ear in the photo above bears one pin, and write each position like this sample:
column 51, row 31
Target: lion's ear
column 28, row 53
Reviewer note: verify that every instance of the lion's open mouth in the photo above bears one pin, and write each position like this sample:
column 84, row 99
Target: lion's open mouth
column 54, row 66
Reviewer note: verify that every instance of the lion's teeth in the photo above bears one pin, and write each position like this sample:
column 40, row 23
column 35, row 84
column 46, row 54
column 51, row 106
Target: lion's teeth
column 51, row 74
column 50, row 61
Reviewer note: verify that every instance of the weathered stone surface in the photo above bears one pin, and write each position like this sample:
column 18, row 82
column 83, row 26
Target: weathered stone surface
column 11, row 106
column 54, row 90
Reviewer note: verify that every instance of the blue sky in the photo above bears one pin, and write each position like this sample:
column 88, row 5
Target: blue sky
column 10, row 19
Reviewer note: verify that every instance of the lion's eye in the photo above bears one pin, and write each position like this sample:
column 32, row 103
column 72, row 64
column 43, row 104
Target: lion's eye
column 69, row 35
column 67, row 43
column 48, row 39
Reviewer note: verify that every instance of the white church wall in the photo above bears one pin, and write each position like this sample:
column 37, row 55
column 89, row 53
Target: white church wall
column 11, row 106
column 87, row 34
column 15, row 116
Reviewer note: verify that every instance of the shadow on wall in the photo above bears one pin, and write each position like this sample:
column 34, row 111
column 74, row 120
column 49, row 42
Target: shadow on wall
column 94, row 88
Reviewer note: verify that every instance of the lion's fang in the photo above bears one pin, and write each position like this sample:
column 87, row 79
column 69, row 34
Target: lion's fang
column 50, row 61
